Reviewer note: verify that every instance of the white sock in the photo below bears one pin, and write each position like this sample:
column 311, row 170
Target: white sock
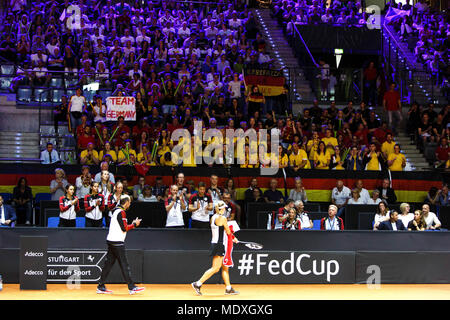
column 199, row 283
column 228, row 287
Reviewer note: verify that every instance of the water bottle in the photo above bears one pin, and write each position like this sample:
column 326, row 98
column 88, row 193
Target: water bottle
column 1, row 283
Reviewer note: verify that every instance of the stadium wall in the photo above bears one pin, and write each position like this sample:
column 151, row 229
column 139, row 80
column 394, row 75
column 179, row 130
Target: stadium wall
column 180, row 256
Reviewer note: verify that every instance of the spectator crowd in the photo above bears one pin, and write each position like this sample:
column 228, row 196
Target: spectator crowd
column 190, row 205
column 427, row 33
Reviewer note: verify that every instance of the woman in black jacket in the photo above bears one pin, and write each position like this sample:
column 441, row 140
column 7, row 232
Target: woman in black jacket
column 23, row 201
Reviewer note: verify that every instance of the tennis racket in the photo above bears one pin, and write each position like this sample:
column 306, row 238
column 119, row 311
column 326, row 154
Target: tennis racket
column 252, row 245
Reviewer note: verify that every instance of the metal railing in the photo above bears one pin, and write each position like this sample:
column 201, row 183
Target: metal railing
column 421, row 86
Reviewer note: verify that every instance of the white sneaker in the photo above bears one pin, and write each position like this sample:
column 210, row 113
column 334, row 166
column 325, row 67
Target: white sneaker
column 136, row 289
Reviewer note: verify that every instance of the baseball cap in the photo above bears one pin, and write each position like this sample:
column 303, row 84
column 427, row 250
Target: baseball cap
column 221, row 204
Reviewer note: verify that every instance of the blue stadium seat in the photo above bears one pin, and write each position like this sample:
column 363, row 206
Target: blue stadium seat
column 24, row 94
column 89, row 95
column 57, row 94
column 316, row 225
column 71, row 83
column 5, row 82
column 41, row 196
column 104, row 94
column 71, row 92
column 7, row 69
column 52, row 222
column 80, row 222
column 56, row 82
column 40, row 94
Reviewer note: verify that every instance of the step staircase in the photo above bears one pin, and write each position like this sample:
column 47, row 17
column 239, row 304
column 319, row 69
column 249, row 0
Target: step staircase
column 414, row 157
column 63, row 141
column 19, row 147
column 420, row 86
column 284, row 56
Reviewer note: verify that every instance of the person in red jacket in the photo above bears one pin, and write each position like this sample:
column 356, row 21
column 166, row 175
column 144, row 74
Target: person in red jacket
column 94, row 205
column 332, row 222
column 68, row 208
column 393, row 105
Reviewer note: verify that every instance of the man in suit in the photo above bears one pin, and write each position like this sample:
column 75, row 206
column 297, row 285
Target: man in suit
column 49, row 155
column 249, row 192
column 386, row 192
column 7, row 215
column 393, row 223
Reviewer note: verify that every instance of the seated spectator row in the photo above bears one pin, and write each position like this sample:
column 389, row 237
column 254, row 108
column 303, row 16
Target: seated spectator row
column 428, row 35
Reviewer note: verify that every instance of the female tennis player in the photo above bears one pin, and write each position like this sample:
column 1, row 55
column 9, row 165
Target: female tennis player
column 222, row 235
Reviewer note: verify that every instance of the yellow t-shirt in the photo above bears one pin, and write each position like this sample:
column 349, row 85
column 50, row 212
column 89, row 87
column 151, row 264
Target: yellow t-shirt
column 333, row 142
column 314, row 146
column 122, row 157
column 397, row 164
column 84, row 154
column 112, row 153
column 388, row 148
column 247, row 163
column 283, row 160
column 297, row 159
column 373, row 164
column 163, row 149
column 338, row 167
column 323, row 159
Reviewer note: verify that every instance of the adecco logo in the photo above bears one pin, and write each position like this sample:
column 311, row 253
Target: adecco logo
column 34, row 254
column 34, row 273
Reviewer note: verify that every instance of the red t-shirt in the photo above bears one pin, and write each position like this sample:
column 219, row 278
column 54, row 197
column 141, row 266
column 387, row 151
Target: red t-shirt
column 363, row 133
column 442, row 153
column 370, row 74
column 392, row 98
column 84, row 140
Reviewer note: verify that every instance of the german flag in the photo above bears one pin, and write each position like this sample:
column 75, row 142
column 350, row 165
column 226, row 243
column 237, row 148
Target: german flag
column 269, row 82
column 408, row 186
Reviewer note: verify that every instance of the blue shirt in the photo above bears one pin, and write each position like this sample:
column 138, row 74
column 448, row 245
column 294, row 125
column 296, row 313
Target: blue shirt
column 45, row 157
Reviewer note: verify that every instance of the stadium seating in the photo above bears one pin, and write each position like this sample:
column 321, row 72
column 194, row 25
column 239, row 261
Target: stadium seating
column 24, row 94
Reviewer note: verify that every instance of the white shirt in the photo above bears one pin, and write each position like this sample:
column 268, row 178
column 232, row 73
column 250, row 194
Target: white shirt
column 406, row 219
column 353, row 201
column 40, row 72
column 394, row 226
column 144, row 199
column 184, row 33
column 2, row 215
column 304, row 219
column 45, row 157
column 81, row 189
column 340, row 196
column 139, row 39
column 380, row 218
column 431, row 219
column 124, row 40
column 98, row 177
column 77, row 103
column 364, row 195
column 371, row 201
column 331, row 224
column 175, row 214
